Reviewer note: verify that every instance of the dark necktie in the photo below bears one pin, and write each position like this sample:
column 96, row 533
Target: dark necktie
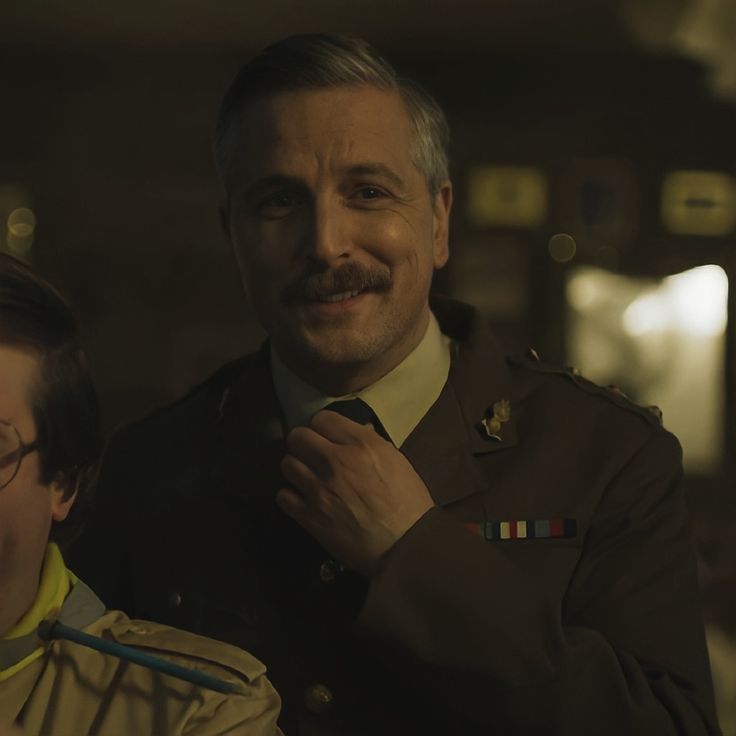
column 357, row 410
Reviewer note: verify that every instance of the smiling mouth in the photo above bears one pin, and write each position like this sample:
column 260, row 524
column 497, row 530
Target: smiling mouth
column 341, row 297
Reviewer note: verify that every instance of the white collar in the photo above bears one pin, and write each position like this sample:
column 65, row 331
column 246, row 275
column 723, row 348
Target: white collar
column 400, row 399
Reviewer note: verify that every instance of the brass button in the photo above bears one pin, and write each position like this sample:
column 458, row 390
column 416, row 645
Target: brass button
column 329, row 570
column 317, row 698
column 174, row 600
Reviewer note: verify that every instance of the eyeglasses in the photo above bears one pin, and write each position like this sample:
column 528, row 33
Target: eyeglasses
column 12, row 452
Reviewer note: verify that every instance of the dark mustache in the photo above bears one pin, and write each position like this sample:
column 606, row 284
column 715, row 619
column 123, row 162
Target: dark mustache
column 322, row 284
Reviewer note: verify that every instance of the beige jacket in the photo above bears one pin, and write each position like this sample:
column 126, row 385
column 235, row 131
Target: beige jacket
column 72, row 690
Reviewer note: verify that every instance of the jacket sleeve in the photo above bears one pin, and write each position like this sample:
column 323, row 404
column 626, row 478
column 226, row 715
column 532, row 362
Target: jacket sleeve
column 621, row 651
column 253, row 714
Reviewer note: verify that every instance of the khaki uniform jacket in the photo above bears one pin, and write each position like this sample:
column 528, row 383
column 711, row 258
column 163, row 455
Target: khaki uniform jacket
column 74, row 691
column 585, row 626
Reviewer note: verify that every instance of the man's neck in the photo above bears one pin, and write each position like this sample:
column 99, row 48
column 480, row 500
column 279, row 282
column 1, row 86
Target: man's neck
column 340, row 379
column 399, row 398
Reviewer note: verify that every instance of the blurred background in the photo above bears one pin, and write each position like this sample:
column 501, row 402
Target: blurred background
column 593, row 158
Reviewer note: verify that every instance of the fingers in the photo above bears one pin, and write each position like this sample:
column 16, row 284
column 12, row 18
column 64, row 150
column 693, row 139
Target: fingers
column 319, row 444
column 325, row 460
column 339, row 429
column 291, row 502
column 318, row 490
column 314, row 450
column 300, row 475
column 296, row 506
column 309, row 503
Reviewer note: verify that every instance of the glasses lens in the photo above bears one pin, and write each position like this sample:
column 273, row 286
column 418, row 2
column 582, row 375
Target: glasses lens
column 9, row 453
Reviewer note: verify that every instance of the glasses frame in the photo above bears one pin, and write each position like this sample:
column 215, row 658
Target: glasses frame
column 23, row 450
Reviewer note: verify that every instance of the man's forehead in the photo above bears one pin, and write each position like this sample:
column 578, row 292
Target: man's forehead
column 350, row 126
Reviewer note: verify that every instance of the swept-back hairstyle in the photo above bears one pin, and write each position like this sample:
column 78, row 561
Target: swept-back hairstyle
column 34, row 317
column 313, row 61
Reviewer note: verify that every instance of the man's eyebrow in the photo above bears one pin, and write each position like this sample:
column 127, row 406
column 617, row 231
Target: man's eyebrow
column 376, row 169
column 273, row 181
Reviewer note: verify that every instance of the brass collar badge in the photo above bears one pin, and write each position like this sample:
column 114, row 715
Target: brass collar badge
column 496, row 416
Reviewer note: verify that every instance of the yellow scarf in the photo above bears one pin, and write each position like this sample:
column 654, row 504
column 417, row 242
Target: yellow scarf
column 56, row 582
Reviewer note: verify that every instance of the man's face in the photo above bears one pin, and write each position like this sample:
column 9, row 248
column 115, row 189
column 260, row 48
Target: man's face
column 27, row 507
column 335, row 232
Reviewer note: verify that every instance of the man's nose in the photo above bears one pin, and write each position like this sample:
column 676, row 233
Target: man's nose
column 328, row 237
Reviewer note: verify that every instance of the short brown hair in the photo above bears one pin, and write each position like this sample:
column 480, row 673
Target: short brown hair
column 34, row 317
column 313, row 61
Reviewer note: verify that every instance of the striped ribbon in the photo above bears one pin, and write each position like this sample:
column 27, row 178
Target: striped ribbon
column 493, row 531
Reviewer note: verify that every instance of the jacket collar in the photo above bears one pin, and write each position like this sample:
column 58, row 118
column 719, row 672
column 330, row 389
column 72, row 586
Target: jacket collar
column 80, row 608
column 249, row 437
column 444, row 446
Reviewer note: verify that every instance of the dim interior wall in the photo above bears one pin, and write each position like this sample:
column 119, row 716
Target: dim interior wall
column 113, row 154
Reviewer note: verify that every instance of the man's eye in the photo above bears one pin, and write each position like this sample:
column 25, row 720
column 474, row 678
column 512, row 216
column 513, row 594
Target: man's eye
column 277, row 205
column 279, row 200
column 370, row 193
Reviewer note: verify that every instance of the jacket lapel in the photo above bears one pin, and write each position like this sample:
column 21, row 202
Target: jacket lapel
column 249, row 437
column 444, row 446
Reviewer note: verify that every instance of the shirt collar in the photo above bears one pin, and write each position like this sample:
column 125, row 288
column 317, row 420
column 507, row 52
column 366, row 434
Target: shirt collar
column 54, row 586
column 399, row 399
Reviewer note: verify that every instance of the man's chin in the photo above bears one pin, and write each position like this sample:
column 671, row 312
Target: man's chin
column 332, row 348
column 342, row 350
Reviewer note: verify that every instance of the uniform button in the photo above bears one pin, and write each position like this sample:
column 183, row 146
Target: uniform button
column 317, row 698
column 329, row 570
column 174, row 599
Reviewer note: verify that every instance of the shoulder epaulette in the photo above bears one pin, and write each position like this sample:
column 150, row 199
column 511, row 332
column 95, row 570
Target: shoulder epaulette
column 165, row 640
column 652, row 414
column 141, row 655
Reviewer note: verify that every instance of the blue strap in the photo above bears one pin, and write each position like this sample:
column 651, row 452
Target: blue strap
column 80, row 609
column 50, row 629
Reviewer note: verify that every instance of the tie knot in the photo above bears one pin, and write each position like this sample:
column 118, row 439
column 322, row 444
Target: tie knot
column 357, row 410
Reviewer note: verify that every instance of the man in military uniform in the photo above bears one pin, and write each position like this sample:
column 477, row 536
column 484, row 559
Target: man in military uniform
column 417, row 534
column 53, row 686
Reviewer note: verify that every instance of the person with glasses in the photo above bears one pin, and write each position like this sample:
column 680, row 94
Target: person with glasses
column 68, row 665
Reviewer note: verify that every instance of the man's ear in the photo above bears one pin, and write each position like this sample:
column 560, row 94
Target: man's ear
column 61, row 501
column 442, row 206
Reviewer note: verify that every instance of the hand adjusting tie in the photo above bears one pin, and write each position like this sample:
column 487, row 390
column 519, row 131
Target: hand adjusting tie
column 357, row 410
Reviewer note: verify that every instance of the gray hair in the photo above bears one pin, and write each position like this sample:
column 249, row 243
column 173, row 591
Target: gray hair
column 317, row 61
